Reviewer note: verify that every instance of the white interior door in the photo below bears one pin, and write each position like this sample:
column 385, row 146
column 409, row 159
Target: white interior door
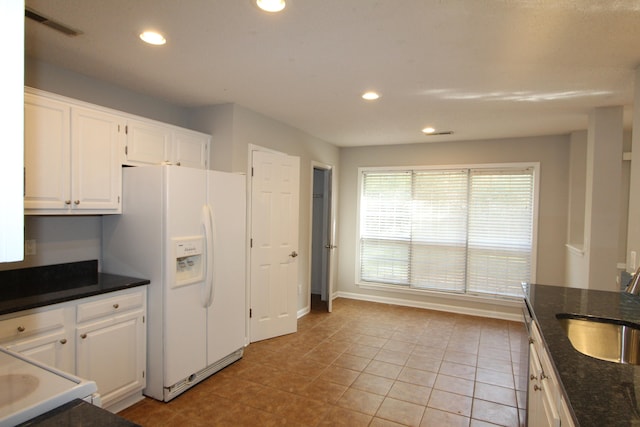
column 274, row 248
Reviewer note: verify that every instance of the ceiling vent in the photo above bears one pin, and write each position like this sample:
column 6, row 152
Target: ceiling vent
column 36, row 16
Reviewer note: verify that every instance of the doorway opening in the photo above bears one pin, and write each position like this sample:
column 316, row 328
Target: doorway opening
column 322, row 236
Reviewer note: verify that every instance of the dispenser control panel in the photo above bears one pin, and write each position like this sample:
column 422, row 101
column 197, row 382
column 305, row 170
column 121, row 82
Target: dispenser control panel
column 189, row 258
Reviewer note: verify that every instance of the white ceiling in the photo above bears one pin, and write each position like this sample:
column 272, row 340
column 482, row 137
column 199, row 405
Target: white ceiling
column 480, row 68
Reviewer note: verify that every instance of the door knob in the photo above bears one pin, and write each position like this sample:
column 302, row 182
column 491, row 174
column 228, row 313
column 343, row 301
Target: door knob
column 293, row 254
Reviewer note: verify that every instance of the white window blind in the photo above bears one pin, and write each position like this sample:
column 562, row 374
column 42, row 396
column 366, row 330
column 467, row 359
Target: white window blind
column 463, row 230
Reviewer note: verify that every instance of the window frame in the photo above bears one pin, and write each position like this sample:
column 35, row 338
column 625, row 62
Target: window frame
column 416, row 291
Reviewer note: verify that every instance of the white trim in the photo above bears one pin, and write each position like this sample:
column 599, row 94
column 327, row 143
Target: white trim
column 449, row 308
column 432, row 293
column 575, row 249
column 304, row 311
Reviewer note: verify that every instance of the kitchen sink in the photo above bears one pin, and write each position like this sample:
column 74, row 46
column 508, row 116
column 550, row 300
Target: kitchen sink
column 601, row 338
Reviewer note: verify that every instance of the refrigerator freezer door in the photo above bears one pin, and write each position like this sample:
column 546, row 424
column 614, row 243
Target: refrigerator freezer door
column 185, row 316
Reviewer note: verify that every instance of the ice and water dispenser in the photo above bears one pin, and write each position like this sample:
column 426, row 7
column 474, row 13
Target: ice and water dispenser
column 189, row 258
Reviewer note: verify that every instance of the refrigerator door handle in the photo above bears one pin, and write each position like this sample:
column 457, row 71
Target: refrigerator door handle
column 207, row 222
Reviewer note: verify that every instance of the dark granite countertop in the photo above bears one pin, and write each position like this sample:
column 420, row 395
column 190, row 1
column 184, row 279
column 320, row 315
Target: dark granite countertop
column 26, row 288
column 78, row 413
column 600, row 393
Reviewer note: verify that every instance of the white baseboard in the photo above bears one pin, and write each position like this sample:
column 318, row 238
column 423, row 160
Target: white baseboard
column 493, row 313
column 303, row 311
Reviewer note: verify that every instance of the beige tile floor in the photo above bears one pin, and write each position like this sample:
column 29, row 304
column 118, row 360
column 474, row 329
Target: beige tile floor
column 365, row 364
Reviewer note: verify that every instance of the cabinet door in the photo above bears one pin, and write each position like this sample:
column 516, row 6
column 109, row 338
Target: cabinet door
column 534, row 416
column 111, row 352
column 47, row 153
column 191, row 149
column 54, row 349
column 147, row 143
column 96, row 170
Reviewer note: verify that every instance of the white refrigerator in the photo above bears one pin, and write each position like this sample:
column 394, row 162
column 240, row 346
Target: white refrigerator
column 184, row 230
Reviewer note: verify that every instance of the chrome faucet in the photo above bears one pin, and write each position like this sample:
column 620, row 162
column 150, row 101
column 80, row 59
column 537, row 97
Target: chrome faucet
column 634, row 285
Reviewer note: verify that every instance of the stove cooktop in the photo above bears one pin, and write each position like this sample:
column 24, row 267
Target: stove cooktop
column 29, row 388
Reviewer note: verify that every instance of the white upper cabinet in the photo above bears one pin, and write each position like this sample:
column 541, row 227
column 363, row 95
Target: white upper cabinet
column 74, row 152
column 147, row 143
column 96, row 172
column 152, row 143
column 47, row 153
column 71, row 159
column 191, row 149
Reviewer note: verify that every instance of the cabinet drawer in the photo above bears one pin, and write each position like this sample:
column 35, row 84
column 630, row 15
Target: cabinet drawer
column 31, row 324
column 109, row 306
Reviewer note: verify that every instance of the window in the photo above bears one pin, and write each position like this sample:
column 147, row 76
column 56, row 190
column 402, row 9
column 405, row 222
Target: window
column 455, row 230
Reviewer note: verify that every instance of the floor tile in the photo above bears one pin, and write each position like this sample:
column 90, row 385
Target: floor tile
column 495, row 413
column 355, row 363
column 425, row 363
column 373, row 383
column 458, row 370
column 339, row 375
column 417, row 376
column 405, row 413
column 341, row 417
column 363, row 350
column 493, row 377
column 460, row 357
column 391, row 356
column 436, row 418
column 361, row 401
column 379, row 422
column 325, row 391
column 454, row 385
column 383, row 369
column 450, row 402
column 408, row 392
column 497, row 394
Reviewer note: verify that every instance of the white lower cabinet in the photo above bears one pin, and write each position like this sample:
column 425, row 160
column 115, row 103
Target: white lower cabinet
column 100, row 338
column 45, row 337
column 546, row 406
column 110, row 347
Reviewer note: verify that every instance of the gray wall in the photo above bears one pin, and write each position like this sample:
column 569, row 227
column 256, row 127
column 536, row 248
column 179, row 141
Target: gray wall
column 552, row 152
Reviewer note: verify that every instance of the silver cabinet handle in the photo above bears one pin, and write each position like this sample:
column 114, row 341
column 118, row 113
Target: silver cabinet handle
column 293, row 254
column 21, row 328
column 330, row 246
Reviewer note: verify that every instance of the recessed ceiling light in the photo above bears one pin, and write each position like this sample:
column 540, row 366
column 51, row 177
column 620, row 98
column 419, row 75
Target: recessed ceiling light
column 370, row 96
column 432, row 131
column 271, row 5
column 153, row 37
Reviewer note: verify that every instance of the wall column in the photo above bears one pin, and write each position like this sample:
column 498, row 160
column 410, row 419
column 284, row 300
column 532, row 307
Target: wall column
column 602, row 201
column 633, row 227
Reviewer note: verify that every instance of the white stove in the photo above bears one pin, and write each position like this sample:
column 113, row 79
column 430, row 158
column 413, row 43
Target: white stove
column 29, row 388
